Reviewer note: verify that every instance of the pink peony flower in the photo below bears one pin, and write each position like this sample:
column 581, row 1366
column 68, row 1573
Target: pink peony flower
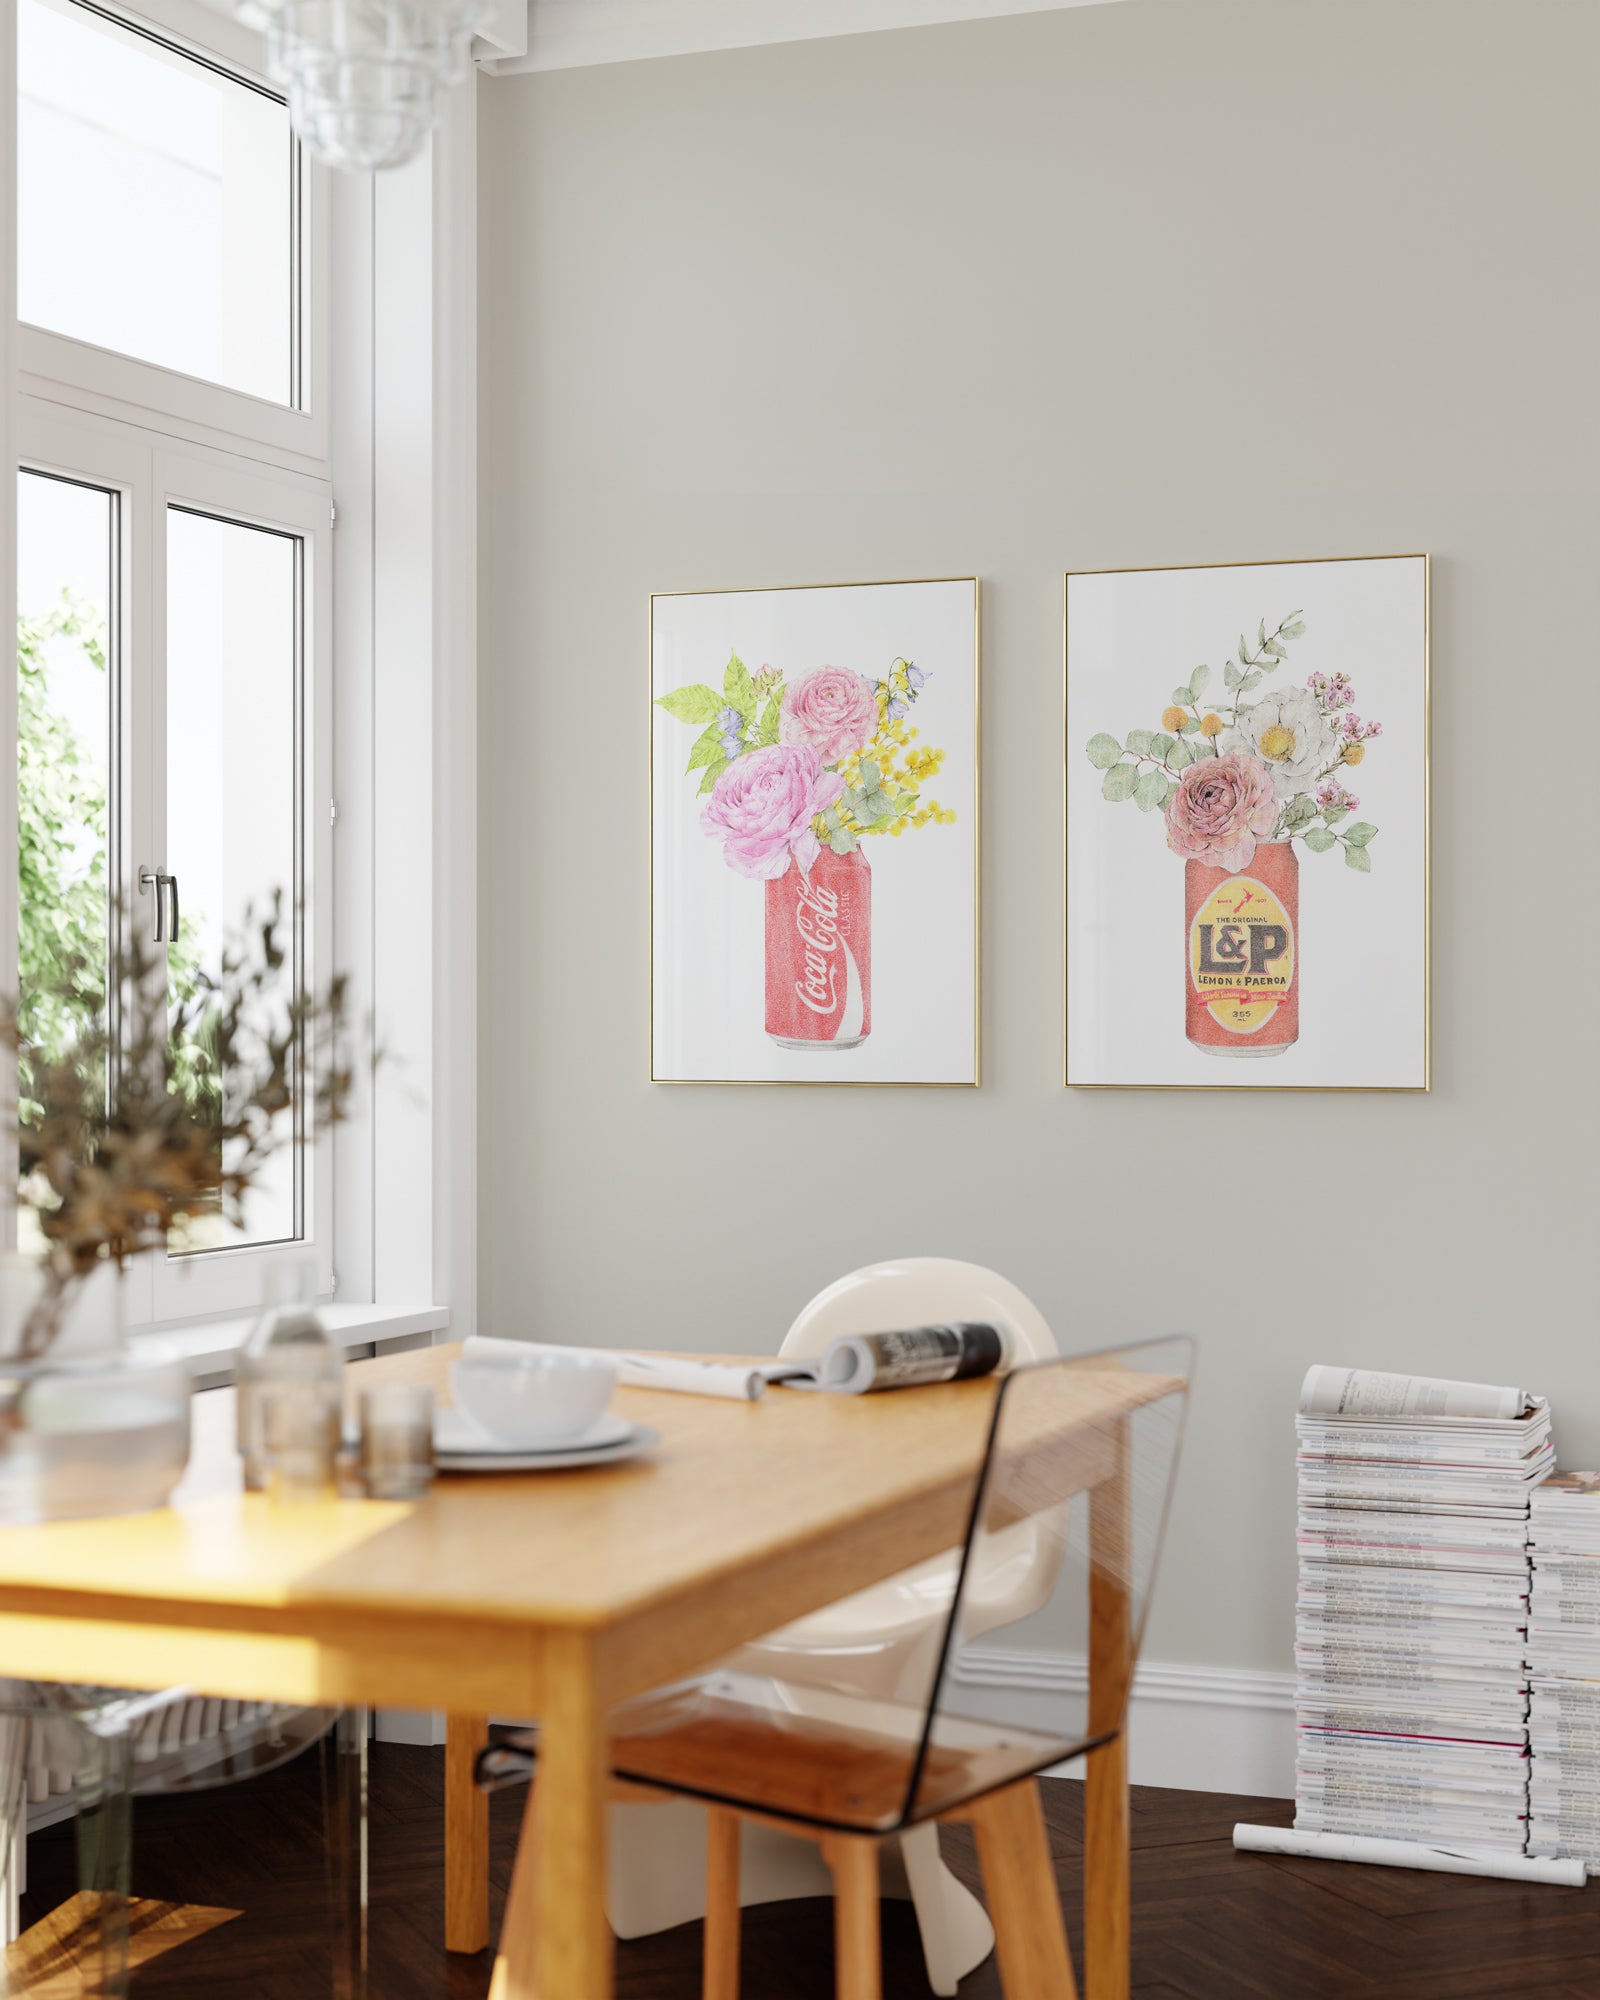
column 1222, row 807
column 831, row 709
column 762, row 806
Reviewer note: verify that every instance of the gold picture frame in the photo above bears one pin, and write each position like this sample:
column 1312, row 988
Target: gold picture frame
column 1073, row 750
column 836, row 1081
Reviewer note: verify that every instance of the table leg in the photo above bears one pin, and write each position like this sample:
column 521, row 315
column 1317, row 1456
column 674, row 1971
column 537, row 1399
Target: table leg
column 466, row 1837
column 556, row 1942
column 1106, row 1817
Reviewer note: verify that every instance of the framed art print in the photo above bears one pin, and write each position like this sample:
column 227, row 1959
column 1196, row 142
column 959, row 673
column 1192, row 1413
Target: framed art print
column 1247, row 826
column 814, row 834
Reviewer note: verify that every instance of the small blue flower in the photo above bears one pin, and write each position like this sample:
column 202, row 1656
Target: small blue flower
column 897, row 708
column 730, row 729
column 915, row 675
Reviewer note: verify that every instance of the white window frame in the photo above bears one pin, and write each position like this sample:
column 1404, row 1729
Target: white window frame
column 393, row 352
column 157, row 437
column 57, row 367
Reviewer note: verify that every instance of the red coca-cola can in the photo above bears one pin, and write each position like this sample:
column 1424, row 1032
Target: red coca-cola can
column 819, row 953
column 1242, row 990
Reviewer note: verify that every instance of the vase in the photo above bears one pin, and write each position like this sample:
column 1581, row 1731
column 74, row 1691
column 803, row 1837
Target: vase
column 819, row 953
column 1242, row 928
column 90, row 1427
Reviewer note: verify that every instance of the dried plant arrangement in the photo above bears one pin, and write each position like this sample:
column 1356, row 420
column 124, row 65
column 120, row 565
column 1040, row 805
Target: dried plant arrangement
column 153, row 1102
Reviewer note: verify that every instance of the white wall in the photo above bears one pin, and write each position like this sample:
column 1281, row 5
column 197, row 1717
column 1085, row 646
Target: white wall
column 1156, row 283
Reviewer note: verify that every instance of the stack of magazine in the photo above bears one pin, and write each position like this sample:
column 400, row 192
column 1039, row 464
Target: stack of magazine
column 1564, row 1668
column 1412, row 1694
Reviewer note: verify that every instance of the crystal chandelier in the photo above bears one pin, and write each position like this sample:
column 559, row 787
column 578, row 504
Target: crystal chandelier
column 364, row 76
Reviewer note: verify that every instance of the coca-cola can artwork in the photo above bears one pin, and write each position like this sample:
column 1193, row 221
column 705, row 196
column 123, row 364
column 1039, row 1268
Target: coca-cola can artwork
column 814, row 835
column 1247, row 878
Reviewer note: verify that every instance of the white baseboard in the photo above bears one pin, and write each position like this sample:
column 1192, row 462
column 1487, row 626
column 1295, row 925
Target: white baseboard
column 1200, row 1729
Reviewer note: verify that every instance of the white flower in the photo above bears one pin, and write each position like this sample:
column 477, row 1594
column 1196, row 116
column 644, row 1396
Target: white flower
column 1288, row 731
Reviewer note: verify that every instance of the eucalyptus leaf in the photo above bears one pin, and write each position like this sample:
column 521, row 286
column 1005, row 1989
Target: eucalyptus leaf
column 1294, row 631
column 1119, row 782
column 1104, row 751
column 1358, row 858
column 698, row 703
column 1332, row 815
column 1142, row 742
column 1261, row 635
column 1359, row 834
column 869, row 774
column 1301, row 810
column 1198, row 680
column 1180, row 756
column 831, row 820
column 1151, row 791
column 1231, row 675
column 1276, row 650
column 1244, row 651
column 853, row 801
column 1182, row 698
column 1251, row 680
column 843, row 841
column 1161, row 745
column 1189, row 724
column 879, row 805
column 1319, row 840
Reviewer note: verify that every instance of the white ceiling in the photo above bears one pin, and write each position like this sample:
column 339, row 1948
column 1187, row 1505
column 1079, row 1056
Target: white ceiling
column 570, row 34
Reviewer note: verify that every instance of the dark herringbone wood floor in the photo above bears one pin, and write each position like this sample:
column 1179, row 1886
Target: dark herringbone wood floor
column 1208, row 1924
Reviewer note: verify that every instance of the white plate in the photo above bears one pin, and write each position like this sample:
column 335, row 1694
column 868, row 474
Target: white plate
column 461, row 1445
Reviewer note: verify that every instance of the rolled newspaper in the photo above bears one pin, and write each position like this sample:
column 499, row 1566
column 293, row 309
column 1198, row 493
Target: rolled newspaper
column 1366, row 1393
column 1557, row 1869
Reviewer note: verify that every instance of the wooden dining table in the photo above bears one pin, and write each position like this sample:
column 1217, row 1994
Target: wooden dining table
column 558, row 1595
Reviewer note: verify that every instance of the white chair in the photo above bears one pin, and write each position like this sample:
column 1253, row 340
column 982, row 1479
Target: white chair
column 880, row 1642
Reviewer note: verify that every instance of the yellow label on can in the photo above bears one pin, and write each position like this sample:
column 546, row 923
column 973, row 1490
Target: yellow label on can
column 1241, row 954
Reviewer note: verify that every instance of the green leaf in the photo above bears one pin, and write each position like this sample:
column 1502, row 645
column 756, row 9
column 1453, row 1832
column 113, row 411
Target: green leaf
column 1251, row 679
column 1294, row 631
column 767, row 733
column 1104, row 751
column 692, row 704
column 1190, row 724
column 1119, row 782
column 739, row 689
column 830, row 819
column 1182, row 698
column 1276, row 650
column 1319, row 840
column 1180, row 756
column 1358, row 858
column 1244, row 651
column 869, row 774
column 1302, row 810
column 843, row 841
column 853, row 801
column 1333, row 814
column 1162, row 744
column 713, row 772
column 1198, row 680
column 1359, row 834
column 1261, row 635
column 879, row 805
column 1231, row 675
column 1151, row 791
column 1142, row 742
column 707, row 747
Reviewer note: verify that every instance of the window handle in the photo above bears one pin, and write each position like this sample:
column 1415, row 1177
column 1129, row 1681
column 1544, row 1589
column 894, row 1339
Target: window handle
column 148, row 880
column 164, row 885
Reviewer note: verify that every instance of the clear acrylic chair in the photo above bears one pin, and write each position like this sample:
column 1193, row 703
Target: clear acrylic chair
column 1084, row 1450
column 872, row 1644
column 98, row 1749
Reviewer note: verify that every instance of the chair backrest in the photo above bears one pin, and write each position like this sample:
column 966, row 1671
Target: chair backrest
column 1086, row 1448
column 922, row 1291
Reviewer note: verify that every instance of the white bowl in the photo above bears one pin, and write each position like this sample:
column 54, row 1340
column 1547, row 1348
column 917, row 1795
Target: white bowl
column 534, row 1398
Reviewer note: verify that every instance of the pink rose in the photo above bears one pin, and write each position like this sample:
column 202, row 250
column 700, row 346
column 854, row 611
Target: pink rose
column 762, row 806
column 832, row 709
column 1222, row 806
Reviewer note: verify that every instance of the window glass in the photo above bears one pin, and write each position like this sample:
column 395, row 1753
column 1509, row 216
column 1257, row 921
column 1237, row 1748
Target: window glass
column 234, row 625
column 156, row 203
column 66, row 596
